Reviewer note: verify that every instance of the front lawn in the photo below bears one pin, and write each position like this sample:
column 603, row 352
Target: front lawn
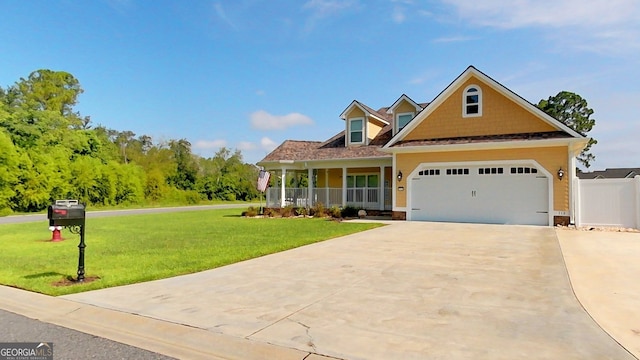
column 131, row 249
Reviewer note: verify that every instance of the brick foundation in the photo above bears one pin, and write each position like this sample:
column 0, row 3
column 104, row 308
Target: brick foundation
column 398, row 215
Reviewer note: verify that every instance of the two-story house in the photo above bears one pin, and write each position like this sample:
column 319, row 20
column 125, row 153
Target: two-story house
column 477, row 152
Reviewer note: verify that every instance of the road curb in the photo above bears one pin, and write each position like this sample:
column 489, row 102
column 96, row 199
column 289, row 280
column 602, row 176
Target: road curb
column 175, row 340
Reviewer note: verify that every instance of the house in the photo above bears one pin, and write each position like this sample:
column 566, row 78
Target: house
column 615, row 173
column 477, row 153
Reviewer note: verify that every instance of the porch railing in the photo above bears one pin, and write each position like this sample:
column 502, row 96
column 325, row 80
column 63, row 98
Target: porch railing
column 366, row 198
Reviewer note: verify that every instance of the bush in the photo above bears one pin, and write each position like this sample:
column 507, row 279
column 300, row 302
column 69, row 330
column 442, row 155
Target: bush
column 350, row 211
column 302, row 211
column 288, row 211
column 318, row 210
column 250, row 212
column 335, row 212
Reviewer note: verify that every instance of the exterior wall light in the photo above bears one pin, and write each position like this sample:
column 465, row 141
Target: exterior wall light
column 399, row 175
column 560, row 173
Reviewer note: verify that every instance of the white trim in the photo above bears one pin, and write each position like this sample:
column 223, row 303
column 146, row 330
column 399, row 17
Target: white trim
column 394, row 185
column 356, row 103
column 404, row 97
column 465, row 105
column 483, row 146
column 541, row 168
column 396, row 120
column 363, row 130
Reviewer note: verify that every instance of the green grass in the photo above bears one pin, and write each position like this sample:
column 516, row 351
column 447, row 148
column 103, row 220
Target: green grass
column 131, row 249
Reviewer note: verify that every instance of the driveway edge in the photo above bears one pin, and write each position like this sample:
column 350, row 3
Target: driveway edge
column 175, row 340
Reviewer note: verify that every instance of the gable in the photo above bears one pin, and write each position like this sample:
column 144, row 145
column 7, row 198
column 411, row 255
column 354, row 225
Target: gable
column 500, row 116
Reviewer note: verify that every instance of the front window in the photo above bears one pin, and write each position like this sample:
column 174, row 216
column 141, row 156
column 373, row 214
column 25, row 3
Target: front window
column 403, row 120
column 356, row 133
column 472, row 101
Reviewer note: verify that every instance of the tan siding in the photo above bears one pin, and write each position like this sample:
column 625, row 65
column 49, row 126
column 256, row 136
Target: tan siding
column 335, row 178
column 551, row 158
column 500, row 115
column 372, row 129
column 404, row 107
column 355, row 112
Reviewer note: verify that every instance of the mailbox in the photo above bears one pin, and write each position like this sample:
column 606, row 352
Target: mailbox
column 66, row 213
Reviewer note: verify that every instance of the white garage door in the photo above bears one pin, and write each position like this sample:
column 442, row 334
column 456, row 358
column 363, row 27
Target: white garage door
column 505, row 194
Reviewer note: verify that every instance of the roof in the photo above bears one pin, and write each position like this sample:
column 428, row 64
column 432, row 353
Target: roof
column 485, row 138
column 331, row 149
column 455, row 84
column 383, row 144
column 614, row 173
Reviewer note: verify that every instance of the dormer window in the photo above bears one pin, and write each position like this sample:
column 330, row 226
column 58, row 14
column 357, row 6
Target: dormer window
column 402, row 120
column 472, row 101
column 356, row 131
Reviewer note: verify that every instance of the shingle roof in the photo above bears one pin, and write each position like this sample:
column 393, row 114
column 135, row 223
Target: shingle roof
column 332, row 149
column 484, row 138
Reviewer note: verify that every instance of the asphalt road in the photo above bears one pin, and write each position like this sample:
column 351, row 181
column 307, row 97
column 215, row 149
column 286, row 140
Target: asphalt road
column 67, row 343
column 15, row 219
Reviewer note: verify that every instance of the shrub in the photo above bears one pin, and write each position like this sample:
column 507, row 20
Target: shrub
column 350, row 211
column 250, row 212
column 318, row 210
column 268, row 212
column 302, row 211
column 288, row 211
column 335, row 212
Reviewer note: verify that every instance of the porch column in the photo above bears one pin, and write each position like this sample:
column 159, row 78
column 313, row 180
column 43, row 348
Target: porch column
column 268, row 197
column 344, row 186
column 381, row 187
column 326, row 186
column 283, row 178
column 310, row 187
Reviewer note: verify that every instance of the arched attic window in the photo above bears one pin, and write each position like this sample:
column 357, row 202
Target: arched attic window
column 472, row 101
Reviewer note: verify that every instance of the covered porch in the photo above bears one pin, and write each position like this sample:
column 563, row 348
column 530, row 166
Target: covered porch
column 364, row 185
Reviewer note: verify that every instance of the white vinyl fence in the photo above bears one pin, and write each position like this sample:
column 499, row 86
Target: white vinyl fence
column 608, row 202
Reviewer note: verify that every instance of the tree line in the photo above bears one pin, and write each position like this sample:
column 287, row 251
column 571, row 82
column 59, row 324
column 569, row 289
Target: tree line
column 50, row 151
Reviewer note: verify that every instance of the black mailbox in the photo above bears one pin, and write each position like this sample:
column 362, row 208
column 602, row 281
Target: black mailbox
column 66, row 213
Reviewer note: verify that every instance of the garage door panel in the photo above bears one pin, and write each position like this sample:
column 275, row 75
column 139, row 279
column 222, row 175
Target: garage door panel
column 502, row 195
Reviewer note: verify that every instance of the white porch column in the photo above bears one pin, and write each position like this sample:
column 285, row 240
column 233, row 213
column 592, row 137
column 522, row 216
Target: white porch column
column 283, row 178
column 381, row 187
column 326, row 186
column 344, row 186
column 310, row 187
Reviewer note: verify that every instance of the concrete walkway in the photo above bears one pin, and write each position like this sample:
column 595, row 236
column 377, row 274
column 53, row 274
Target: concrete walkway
column 408, row 290
column 604, row 268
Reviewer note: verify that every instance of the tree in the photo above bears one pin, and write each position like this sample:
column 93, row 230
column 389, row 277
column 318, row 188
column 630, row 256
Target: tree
column 49, row 90
column 186, row 170
column 572, row 110
column 8, row 167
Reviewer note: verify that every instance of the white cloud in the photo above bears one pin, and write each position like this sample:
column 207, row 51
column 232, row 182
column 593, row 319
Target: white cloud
column 325, row 8
column 452, row 39
column 264, row 121
column 246, row 146
column 555, row 13
column 321, row 9
column 209, row 144
column 599, row 25
column 222, row 14
column 268, row 144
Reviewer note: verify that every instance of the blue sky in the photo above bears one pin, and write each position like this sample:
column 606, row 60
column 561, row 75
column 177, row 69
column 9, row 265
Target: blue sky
column 248, row 74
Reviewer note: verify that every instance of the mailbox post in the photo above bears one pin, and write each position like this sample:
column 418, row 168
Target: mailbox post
column 70, row 214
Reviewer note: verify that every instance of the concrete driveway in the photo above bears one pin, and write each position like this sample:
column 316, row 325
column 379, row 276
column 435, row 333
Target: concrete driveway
column 405, row 291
